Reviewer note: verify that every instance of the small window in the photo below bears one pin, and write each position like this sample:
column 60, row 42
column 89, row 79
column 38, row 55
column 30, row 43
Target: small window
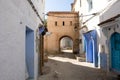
column 80, row 3
column 63, row 23
column 70, row 23
column 55, row 23
column 90, row 5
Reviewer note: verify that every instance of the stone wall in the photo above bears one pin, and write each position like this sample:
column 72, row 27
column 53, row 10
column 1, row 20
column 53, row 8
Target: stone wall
column 52, row 42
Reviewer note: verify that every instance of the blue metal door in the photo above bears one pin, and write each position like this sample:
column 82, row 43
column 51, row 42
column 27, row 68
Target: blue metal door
column 115, row 52
column 90, row 51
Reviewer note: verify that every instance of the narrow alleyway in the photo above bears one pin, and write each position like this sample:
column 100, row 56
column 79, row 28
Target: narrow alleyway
column 66, row 67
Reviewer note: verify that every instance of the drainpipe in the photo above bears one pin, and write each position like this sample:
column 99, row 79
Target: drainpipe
column 41, row 63
column 42, row 32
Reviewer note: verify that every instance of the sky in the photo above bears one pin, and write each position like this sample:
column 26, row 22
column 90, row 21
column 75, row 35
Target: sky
column 58, row 5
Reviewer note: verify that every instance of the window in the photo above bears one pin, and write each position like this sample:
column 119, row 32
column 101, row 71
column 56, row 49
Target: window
column 70, row 23
column 55, row 23
column 90, row 4
column 63, row 23
column 80, row 3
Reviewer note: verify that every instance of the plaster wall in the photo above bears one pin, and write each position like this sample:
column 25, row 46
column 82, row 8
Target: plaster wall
column 15, row 15
column 52, row 42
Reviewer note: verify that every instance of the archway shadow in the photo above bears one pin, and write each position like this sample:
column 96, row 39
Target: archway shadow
column 60, row 69
column 67, row 55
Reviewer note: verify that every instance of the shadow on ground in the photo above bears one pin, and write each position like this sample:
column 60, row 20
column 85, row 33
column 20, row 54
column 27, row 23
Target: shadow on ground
column 65, row 67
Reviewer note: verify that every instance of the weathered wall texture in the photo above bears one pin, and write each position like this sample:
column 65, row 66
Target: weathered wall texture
column 109, row 23
column 52, row 42
column 15, row 16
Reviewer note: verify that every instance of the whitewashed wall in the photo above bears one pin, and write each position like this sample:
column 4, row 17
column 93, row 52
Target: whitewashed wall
column 107, row 9
column 111, row 11
column 15, row 15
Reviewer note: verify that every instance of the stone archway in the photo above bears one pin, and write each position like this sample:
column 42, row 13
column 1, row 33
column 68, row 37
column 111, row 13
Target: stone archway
column 66, row 44
column 60, row 30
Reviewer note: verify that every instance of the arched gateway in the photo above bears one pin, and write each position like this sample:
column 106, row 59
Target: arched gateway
column 63, row 35
column 66, row 44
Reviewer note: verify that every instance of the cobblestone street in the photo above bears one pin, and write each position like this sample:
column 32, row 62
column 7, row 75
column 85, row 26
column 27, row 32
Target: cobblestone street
column 66, row 67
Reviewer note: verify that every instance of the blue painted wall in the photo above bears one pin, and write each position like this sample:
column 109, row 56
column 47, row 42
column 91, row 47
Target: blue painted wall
column 95, row 47
column 84, row 44
column 103, row 61
column 30, row 52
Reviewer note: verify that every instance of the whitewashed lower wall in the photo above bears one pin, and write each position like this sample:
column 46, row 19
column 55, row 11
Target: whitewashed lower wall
column 15, row 15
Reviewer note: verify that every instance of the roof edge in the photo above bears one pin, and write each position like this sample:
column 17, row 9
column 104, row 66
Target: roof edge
column 109, row 20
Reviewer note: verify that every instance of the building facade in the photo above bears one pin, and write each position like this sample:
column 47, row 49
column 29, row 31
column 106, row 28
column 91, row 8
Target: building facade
column 19, row 20
column 105, row 21
column 110, row 29
column 61, row 24
column 88, row 20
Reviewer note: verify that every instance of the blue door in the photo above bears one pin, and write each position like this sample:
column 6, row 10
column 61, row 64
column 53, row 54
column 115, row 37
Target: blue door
column 115, row 52
column 91, row 47
column 30, row 52
column 90, row 51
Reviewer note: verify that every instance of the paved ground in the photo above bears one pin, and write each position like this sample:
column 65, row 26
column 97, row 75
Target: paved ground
column 65, row 67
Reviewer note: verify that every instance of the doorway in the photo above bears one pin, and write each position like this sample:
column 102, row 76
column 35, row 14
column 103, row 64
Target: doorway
column 66, row 44
column 91, row 47
column 29, row 48
column 115, row 52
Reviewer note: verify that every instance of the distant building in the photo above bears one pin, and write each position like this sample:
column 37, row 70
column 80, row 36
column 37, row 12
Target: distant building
column 62, row 26
column 19, row 34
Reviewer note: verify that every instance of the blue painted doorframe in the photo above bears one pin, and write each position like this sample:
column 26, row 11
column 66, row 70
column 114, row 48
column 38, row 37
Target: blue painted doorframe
column 30, row 52
column 91, row 47
column 115, row 52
